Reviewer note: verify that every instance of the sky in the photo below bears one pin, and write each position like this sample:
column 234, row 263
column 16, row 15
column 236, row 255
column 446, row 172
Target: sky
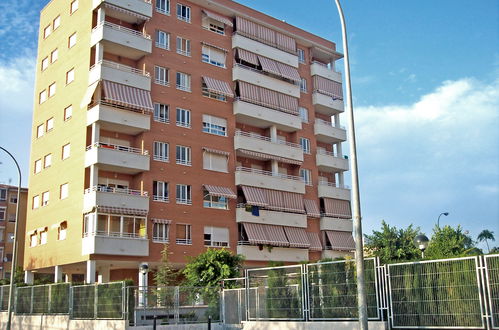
column 425, row 82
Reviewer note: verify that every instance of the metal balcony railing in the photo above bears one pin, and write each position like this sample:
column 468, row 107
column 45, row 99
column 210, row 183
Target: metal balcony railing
column 118, row 148
column 267, row 173
column 115, row 190
column 123, row 29
column 267, row 139
column 121, row 67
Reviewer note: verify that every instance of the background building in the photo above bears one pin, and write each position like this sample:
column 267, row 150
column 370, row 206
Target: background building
column 193, row 123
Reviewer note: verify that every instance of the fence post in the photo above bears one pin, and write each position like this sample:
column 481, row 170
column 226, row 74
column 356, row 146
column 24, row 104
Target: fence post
column 123, row 301
column 96, row 299
column 49, row 309
column 176, row 304
column 304, row 292
column 31, row 303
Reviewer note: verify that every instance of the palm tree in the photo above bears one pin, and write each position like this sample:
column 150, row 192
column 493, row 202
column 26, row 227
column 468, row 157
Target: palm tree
column 485, row 235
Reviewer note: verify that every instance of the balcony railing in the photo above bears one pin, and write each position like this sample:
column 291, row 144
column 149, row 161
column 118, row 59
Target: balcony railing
column 114, row 234
column 330, row 153
column 121, row 67
column 264, row 138
column 267, row 173
column 183, row 241
column 263, row 104
column 114, row 190
column 118, row 148
column 117, row 106
column 158, row 198
column 333, row 184
column 328, row 123
column 123, row 29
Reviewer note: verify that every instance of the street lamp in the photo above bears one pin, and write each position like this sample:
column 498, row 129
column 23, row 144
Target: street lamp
column 438, row 220
column 14, row 248
column 421, row 242
column 143, row 270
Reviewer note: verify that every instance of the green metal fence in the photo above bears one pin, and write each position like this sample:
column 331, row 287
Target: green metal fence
column 42, row 299
column 492, row 280
column 98, row 301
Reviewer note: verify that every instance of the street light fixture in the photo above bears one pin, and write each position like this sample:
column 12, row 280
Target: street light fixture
column 143, row 270
column 421, row 242
column 438, row 220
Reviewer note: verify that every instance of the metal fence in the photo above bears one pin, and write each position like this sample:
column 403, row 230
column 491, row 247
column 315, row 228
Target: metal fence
column 101, row 301
column 42, row 299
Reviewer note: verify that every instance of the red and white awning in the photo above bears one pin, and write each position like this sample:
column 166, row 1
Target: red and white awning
column 121, row 210
column 218, row 18
column 264, row 156
column 127, row 96
column 220, row 191
column 269, row 65
column 247, row 56
column 268, row 98
column 297, row 237
column 276, row 235
column 337, row 208
column 215, row 151
column 256, row 233
column 218, row 86
column 312, row 208
column 340, row 240
column 126, row 11
column 162, row 221
column 328, row 87
column 315, row 242
column 274, row 199
column 254, row 196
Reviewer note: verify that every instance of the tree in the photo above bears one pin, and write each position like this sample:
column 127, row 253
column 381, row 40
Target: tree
column 485, row 235
column 495, row 249
column 447, row 242
column 166, row 275
column 392, row 244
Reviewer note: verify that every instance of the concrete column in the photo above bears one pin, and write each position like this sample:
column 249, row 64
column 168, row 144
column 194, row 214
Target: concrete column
column 94, row 175
column 29, row 277
column 58, row 274
column 336, row 122
column 90, row 275
column 101, row 14
column 104, row 275
column 341, row 179
column 273, row 133
column 339, row 150
column 95, row 132
column 99, row 52
column 68, row 278
column 275, row 167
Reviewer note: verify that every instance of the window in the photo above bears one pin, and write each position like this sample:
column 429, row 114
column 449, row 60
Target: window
column 47, row 160
column 50, row 124
column 160, row 191
column 161, row 113
column 66, row 151
column 306, row 176
column 43, row 236
column 305, row 145
column 35, row 202
column 183, row 234
column 211, row 94
column 161, row 75
column 183, row 155
column 115, row 225
column 214, row 125
column 38, row 166
column 45, row 63
column 216, row 236
column 183, row 81
column 184, row 194
column 40, row 129
column 54, row 55
column 42, row 97
column 163, row 6
column 13, row 199
column 2, row 213
column 47, row 31
column 183, row 46
column 10, row 236
column 215, row 202
column 183, row 117
column 57, row 22
column 73, row 7
column 61, row 231
column 70, row 76
column 2, row 229
column 215, row 162
column 64, row 191
column 33, row 239
column 3, row 194
column 72, row 40
column 303, row 114
column 213, row 56
column 212, row 25
column 160, row 151
column 52, row 89
column 162, row 39
column 68, row 112
column 303, row 85
column 160, row 232
column 183, row 13
column 45, row 198
column 301, row 55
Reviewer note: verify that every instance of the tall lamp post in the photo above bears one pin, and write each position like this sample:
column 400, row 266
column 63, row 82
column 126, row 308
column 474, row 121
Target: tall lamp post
column 357, row 223
column 421, row 241
column 438, row 220
column 14, row 250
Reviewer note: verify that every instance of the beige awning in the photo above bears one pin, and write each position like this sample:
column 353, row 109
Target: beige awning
column 220, row 191
column 127, row 96
column 218, row 18
column 121, row 210
column 87, row 97
column 162, row 221
column 215, row 151
column 264, row 156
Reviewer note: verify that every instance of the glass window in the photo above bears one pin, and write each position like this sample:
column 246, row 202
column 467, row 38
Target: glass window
column 13, row 199
column 160, row 232
column 183, row 117
column 212, row 25
column 183, row 234
column 183, row 81
column 68, row 112
column 303, row 114
column 213, row 56
column 303, row 85
column 36, row 202
column 301, row 55
column 50, row 124
column 161, row 75
column 162, row 39
column 214, row 125
column 74, row 6
column 43, row 237
column 183, row 155
column 38, row 166
column 70, row 76
column 160, row 151
column 57, row 22
column 33, row 240
column 47, row 160
column 161, row 113
column 3, row 194
column 40, row 130
column 54, row 55
column 45, row 63
column 183, row 194
column 305, row 145
column 66, row 151
column 45, row 198
column 61, row 231
column 52, row 89
column 72, row 40
column 42, row 97
column 183, row 46
column 183, row 13
column 2, row 213
column 64, row 191
column 215, row 202
column 160, row 191
column 215, row 162
column 216, row 236
column 47, row 31
column 163, row 6
column 306, row 176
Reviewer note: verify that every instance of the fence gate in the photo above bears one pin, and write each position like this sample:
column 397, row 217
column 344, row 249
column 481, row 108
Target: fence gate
column 492, row 280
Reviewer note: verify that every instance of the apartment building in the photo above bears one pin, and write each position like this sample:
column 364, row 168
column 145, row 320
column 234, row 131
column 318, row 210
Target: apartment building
column 8, row 206
column 197, row 124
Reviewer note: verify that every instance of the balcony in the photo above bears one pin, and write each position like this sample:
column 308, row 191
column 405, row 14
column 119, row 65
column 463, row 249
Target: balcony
column 330, row 162
column 260, row 116
column 119, row 73
column 333, row 190
column 115, row 244
column 140, row 7
column 121, row 41
column 260, row 78
column 114, row 158
column 326, row 105
column 252, row 252
column 115, row 197
column 254, row 46
column 119, row 119
column 263, row 144
column 264, row 179
column 327, row 223
column 267, row 217
column 327, row 133
column 320, row 69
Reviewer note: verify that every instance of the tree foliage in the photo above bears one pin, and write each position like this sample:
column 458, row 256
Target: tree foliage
column 448, row 242
column 486, row 235
column 166, row 275
column 392, row 244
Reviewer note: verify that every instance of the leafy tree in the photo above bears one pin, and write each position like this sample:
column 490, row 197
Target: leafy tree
column 392, row 244
column 485, row 235
column 495, row 249
column 166, row 275
column 447, row 242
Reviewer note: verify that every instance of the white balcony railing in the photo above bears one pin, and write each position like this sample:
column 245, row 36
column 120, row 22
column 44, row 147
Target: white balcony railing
column 121, row 67
column 333, row 184
column 118, row 147
column 329, row 153
column 267, row 173
column 114, row 234
column 267, row 139
column 114, row 190
column 328, row 123
column 121, row 28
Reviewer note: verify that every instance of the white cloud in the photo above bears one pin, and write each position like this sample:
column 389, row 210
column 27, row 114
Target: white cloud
column 16, row 81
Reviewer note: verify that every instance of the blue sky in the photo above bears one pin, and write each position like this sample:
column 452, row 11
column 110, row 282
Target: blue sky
column 425, row 78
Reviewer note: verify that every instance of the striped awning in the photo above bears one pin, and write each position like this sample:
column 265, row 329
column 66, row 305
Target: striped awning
column 247, row 56
column 312, row 208
column 215, row 151
column 218, row 18
column 276, row 235
column 268, row 98
column 328, row 87
column 293, row 202
column 264, row 156
column 163, row 221
column 269, row 65
column 127, row 96
column 126, row 11
column 337, row 208
column 214, row 46
column 218, row 86
column 87, row 97
column 288, row 72
column 256, row 233
column 121, row 210
column 340, row 240
column 266, row 35
column 220, row 191
column 297, row 237
column 254, row 196
column 315, row 242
